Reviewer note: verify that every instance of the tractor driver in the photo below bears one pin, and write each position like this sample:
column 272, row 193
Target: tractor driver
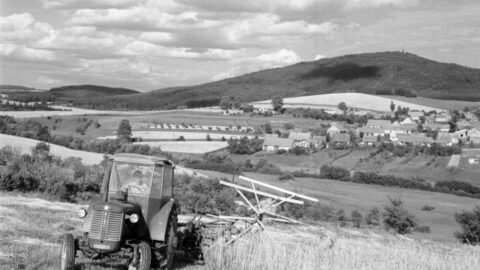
column 136, row 185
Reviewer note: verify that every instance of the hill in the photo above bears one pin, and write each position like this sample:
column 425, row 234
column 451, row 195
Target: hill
column 385, row 73
column 88, row 91
column 9, row 87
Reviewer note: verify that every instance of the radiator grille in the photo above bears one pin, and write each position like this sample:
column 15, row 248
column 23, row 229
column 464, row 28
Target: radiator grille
column 111, row 227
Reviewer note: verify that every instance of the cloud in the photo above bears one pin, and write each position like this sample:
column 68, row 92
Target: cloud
column 22, row 27
column 75, row 4
column 380, row 3
column 22, row 52
column 156, row 37
column 280, row 58
column 318, row 57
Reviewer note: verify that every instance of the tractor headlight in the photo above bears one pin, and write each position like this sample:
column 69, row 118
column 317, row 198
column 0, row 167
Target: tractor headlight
column 134, row 218
column 82, row 213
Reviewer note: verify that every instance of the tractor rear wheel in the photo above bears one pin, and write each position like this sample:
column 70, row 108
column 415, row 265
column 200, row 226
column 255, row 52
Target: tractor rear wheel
column 68, row 252
column 169, row 254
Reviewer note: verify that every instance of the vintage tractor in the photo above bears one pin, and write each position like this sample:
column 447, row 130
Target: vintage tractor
column 135, row 219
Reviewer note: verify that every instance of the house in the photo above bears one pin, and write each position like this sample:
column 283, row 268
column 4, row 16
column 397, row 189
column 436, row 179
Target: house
column 474, row 136
column 273, row 144
column 318, row 141
column 445, row 138
column 414, row 138
column 340, row 138
column 367, row 131
column 335, row 128
column 435, row 126
column 472, row 155
column 408, row 121
column 416, row 115
column 462, row 123
column 374, row 123
column 370, row 139
column 442, row 118
column 300, row 138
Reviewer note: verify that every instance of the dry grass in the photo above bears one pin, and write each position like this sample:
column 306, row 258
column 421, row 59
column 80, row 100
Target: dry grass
column 354, row 100
column 31, row 230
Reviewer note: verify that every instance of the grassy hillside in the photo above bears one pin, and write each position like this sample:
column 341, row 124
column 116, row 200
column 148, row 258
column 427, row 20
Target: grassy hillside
column 31, row 231
column 10, row 87
column 384, row 73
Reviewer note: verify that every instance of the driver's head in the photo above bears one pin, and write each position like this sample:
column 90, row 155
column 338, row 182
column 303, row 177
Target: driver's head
column 137, row 175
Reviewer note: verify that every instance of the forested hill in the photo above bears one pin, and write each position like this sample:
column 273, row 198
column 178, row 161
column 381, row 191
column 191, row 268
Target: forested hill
column 88, row 91
column 375, row 73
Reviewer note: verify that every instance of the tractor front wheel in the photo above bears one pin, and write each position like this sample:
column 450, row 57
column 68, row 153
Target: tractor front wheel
column 68, row 252
column 144, row 257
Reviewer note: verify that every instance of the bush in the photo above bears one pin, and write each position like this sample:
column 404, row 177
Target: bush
column 427, row 208
column 356, row 218
column 298, row 150
column 398, row 218
column 244, row 145
column 470, row 226
column 336, row 173
column 286, row 176
column 373, row 218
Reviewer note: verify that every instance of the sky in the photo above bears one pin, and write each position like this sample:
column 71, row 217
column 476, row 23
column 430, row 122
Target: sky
column 152, row 44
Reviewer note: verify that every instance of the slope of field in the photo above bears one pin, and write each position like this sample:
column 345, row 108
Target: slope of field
column 69, row 111
column 353, row 100
column 372, row 73
column 25, row 145
column 195, row 147
column 32, row 228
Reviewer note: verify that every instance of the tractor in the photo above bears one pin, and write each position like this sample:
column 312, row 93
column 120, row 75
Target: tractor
column 135, row 217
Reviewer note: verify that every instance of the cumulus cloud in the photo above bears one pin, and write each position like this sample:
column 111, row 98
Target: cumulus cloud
column 318, row 57
column 380, row 3
column 22, row 27
column 22, row 52
column 73, row 4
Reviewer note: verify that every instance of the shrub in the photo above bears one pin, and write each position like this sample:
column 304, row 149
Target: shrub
column 427, row 208
column 470, row 226
column 286, row 176
column 336, row 173
column 373, row 218
column 298, row 150
column 398, row 218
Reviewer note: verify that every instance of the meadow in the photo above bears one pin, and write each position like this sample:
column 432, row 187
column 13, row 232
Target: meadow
column 195, row 147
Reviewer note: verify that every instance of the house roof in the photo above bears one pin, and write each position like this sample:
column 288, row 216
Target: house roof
column 340, row 137
column 378, row 123
column 319, row 139
column 473, row 132
column 444, row 137
column 414, row 138
column 369, row 130
column 279, row 142
column 300, row 136
column 470, row 152
column 336, row 126
column 434, row 126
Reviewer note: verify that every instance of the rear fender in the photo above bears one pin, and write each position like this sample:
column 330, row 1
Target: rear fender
column 159, row 223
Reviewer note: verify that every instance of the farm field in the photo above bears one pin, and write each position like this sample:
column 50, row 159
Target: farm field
column 196, row 147
column 353, row 100
column 352, row 196
column 39, row 225
column 175, row 135
column 69, row 111
column 438, row 103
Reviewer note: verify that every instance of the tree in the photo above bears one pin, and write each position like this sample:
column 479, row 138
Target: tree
column 288, row 126
column 225, row 103
column 398, row 218
column 392, row 106
column 470, row 224
column 277, row 103
column 248, row 108
column 356, row 218
column 268, row 128
column 342, row 106
column 124, row 130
